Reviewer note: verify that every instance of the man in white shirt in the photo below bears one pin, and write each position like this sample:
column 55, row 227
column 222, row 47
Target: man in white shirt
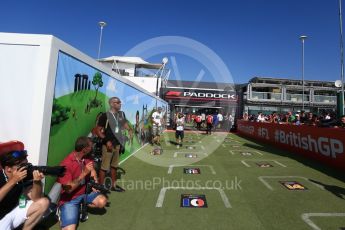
column 179, row 134
column 261, row 117
column 157, row 118
column 203, row 119
column 220, row 120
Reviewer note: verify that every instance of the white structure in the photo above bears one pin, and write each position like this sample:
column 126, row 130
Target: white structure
column 28, row 65
column 138, row 71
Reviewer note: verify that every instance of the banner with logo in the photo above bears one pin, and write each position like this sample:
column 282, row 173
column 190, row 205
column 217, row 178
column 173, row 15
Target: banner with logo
column 325, row 145
column 200, row 96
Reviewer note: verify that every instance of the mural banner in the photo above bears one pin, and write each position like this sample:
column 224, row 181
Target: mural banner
column 81, row 95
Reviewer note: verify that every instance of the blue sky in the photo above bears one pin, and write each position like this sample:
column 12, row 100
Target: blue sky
column 251, row 37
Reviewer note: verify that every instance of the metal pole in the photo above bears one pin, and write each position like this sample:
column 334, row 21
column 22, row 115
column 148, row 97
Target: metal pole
column 164, row 62
column 341, row 58
column 157, row 86
column 302, row 74
column 303, row 37
column 101, row 24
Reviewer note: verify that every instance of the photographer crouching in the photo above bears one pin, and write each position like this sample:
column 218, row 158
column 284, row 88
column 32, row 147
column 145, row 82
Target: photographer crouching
column 79, row 169
column 21, row 199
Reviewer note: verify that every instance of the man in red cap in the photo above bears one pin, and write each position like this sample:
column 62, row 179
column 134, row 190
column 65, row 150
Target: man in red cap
column 21, row 200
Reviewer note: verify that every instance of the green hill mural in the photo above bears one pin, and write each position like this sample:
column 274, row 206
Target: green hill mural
column 81, row 94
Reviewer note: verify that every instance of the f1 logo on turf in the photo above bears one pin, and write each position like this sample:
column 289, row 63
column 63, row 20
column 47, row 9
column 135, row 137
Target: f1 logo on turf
column 193, row 201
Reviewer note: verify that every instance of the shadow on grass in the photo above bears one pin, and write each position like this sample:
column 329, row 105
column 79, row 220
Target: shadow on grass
column 336, row 190
column 97, row 211
column 52, row 220
column 304, row 160
column 173, row 142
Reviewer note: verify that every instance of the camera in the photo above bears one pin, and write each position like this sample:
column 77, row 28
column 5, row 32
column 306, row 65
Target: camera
column 58, row 171
column 100, row 187
column 91, row 184
column 96, row 153
column 119, row 172
column 97, row 146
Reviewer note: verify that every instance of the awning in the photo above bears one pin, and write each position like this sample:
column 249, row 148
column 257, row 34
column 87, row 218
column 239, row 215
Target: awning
column 139, row 62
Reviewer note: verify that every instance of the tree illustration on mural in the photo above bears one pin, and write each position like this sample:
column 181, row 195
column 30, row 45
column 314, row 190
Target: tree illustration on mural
column 97, row 83
column 59, row 112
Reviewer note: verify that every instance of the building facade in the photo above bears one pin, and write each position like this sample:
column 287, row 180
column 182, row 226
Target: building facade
column 260, row 94
column 200, row 97
column 282, row 95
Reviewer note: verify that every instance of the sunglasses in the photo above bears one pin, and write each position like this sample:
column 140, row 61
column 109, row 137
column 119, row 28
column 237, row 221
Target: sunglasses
column 14, row 157
column 17, row 154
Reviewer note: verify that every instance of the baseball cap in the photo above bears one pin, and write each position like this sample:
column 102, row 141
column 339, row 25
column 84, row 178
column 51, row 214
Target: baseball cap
column 13, row 157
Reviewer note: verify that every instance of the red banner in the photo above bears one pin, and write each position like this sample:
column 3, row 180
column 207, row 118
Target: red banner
column 325, row 145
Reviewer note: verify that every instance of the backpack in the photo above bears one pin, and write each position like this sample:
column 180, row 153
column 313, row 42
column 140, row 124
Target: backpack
column 97, row 131
column 209, row 119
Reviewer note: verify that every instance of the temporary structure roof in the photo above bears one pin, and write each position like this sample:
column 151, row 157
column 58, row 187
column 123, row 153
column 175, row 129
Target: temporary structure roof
column 139, row 62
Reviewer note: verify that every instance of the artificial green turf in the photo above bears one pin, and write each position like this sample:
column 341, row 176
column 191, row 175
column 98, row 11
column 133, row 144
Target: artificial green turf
column 253, row 205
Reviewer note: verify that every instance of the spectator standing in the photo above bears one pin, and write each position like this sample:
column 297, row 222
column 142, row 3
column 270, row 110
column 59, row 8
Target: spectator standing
column 261, row 117
column 157, row 120
column 179, row 134
column 245, row 116
column 215, row 121
column 209, row 122
column 110, row 128
column 198, row 121
column 220, row 119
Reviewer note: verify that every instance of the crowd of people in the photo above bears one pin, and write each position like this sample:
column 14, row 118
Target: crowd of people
column 22, row 200
column 327, row 119
column 23, row 204
column 209, row 122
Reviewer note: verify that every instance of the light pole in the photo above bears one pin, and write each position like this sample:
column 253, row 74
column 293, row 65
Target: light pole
column 341, row 59
column 101, row 24
column 302, row 38
column 164, row 62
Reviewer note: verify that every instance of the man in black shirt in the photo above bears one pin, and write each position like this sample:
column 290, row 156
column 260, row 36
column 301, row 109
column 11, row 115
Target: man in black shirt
column 20, row 202
column 110, row 126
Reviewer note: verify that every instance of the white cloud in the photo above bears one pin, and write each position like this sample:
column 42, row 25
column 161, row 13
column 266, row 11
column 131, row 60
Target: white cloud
column 111, row 86
column 136, row 100
column 133, row 98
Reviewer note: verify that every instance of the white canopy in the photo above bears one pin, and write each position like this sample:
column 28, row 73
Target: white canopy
column 139, row 62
